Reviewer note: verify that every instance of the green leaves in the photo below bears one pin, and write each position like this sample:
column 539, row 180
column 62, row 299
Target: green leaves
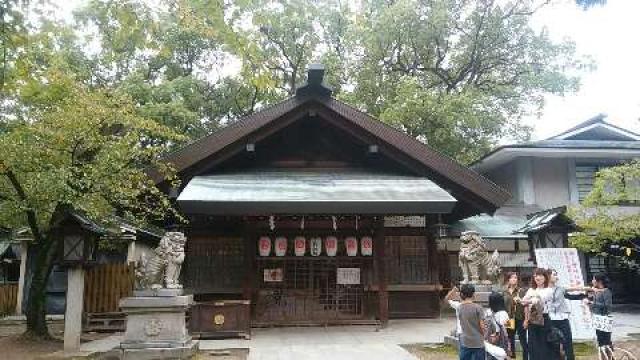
column 90, row 151
column 605, row 216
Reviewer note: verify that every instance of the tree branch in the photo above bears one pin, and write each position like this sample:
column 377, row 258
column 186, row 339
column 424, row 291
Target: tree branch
column 32, row 219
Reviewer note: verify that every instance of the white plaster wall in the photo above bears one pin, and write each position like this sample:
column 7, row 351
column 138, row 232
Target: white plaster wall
column 506, row 177
column 551, row 182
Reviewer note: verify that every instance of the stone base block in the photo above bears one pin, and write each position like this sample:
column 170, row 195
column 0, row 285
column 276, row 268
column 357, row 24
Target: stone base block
column 158, row 292
column 170, row 353
column 482, row 297
column 156, row 328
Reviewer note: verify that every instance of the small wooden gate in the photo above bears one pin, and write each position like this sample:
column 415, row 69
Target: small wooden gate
column 105, row 285
column 309, row 292
column 8, row 299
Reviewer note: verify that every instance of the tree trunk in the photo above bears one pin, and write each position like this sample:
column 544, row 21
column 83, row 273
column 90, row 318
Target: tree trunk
column 37, row 290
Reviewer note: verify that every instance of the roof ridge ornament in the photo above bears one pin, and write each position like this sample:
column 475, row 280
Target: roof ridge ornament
column 315, row 83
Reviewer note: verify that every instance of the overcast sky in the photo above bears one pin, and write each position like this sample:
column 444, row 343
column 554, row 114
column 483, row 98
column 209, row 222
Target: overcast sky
column 610, row 35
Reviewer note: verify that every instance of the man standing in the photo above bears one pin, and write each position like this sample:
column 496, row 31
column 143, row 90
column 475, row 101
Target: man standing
column 471, row 317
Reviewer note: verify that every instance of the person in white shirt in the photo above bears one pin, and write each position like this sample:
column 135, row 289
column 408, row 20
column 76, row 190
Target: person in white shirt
column 537, row 301
column 453, row 298
column 559, row 313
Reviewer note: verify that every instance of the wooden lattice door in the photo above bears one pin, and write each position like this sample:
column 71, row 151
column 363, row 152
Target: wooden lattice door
column 308, row 291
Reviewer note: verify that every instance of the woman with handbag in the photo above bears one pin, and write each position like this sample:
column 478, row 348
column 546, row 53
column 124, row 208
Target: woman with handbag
column 537, row 319
column 512, row 299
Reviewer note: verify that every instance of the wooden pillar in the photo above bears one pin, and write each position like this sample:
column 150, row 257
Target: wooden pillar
column 131, row 251
column 73, row 311
column 433, row 260
column 380, row 263
column 250, row 249
column 24, row 247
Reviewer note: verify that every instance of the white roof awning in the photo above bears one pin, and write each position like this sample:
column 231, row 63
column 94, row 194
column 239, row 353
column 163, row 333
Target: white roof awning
column 295, row 192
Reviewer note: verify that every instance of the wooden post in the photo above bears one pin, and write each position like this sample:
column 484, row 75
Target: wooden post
column 24, row 246
column 73, row 311
column 250, row 250
column 380, row 261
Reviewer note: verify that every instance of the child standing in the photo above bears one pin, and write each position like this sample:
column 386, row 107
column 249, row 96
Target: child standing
column 471, row 317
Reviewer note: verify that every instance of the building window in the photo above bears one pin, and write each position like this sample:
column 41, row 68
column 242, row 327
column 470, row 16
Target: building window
column 585, row 175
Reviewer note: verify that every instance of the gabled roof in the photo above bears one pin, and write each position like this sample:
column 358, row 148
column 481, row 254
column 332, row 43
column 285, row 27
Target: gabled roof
column 597, row 129
column 484, row 194
column 594, row 138
column 543, row 219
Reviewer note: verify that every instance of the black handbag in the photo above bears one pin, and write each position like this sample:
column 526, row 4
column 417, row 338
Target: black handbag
column 555, row 336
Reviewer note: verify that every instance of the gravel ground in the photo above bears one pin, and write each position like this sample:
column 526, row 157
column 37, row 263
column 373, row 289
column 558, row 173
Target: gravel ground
column 440, row 352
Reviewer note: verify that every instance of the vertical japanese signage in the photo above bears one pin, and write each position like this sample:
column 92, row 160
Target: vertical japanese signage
column 566, row 263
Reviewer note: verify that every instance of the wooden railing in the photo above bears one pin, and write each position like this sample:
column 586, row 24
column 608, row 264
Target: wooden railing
column 105, row 285
column 8, row 299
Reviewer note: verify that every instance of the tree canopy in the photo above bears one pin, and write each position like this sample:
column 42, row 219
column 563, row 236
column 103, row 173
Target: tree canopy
column 87, row 104
column 459, row 75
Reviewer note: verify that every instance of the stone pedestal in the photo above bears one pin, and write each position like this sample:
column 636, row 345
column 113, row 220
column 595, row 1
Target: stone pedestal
column 482, row 293
column 156, row 328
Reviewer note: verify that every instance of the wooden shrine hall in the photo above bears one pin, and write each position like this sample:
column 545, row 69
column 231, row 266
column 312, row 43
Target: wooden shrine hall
column 317, row 213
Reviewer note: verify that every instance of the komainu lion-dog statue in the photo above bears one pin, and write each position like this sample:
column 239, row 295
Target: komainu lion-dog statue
column 478, row 267
column 163, row 268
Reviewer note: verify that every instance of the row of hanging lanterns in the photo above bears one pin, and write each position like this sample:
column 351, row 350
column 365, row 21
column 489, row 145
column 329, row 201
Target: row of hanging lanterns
column 315, row 246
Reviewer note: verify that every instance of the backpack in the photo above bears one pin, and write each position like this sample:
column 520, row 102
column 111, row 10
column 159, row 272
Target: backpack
column 496, row 333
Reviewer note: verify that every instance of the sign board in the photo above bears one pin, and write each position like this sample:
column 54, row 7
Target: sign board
column 405, row 221
column 348, row 276
column 273, row 275
column 566, row 263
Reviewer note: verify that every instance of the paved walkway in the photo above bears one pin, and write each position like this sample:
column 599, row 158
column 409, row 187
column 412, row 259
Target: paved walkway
column 342, row 342
column 349, row 342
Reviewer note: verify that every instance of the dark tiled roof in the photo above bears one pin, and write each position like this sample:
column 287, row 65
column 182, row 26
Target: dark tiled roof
column 578, row 144
column 204, row 147
column 566, row 144
column 428, row 156
column 598, row 119
column 543, row 219
column 447, row 168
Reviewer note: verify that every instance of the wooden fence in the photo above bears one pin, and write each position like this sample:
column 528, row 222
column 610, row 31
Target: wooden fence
column 8, row 299
column 105, row 285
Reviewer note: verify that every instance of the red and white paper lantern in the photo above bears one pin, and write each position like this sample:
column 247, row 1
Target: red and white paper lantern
column 300, row 245
column 366, row 246
column 331, row 245
column 264, row 246
column 281, row 246
column 351, row 243
column 315, row 246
